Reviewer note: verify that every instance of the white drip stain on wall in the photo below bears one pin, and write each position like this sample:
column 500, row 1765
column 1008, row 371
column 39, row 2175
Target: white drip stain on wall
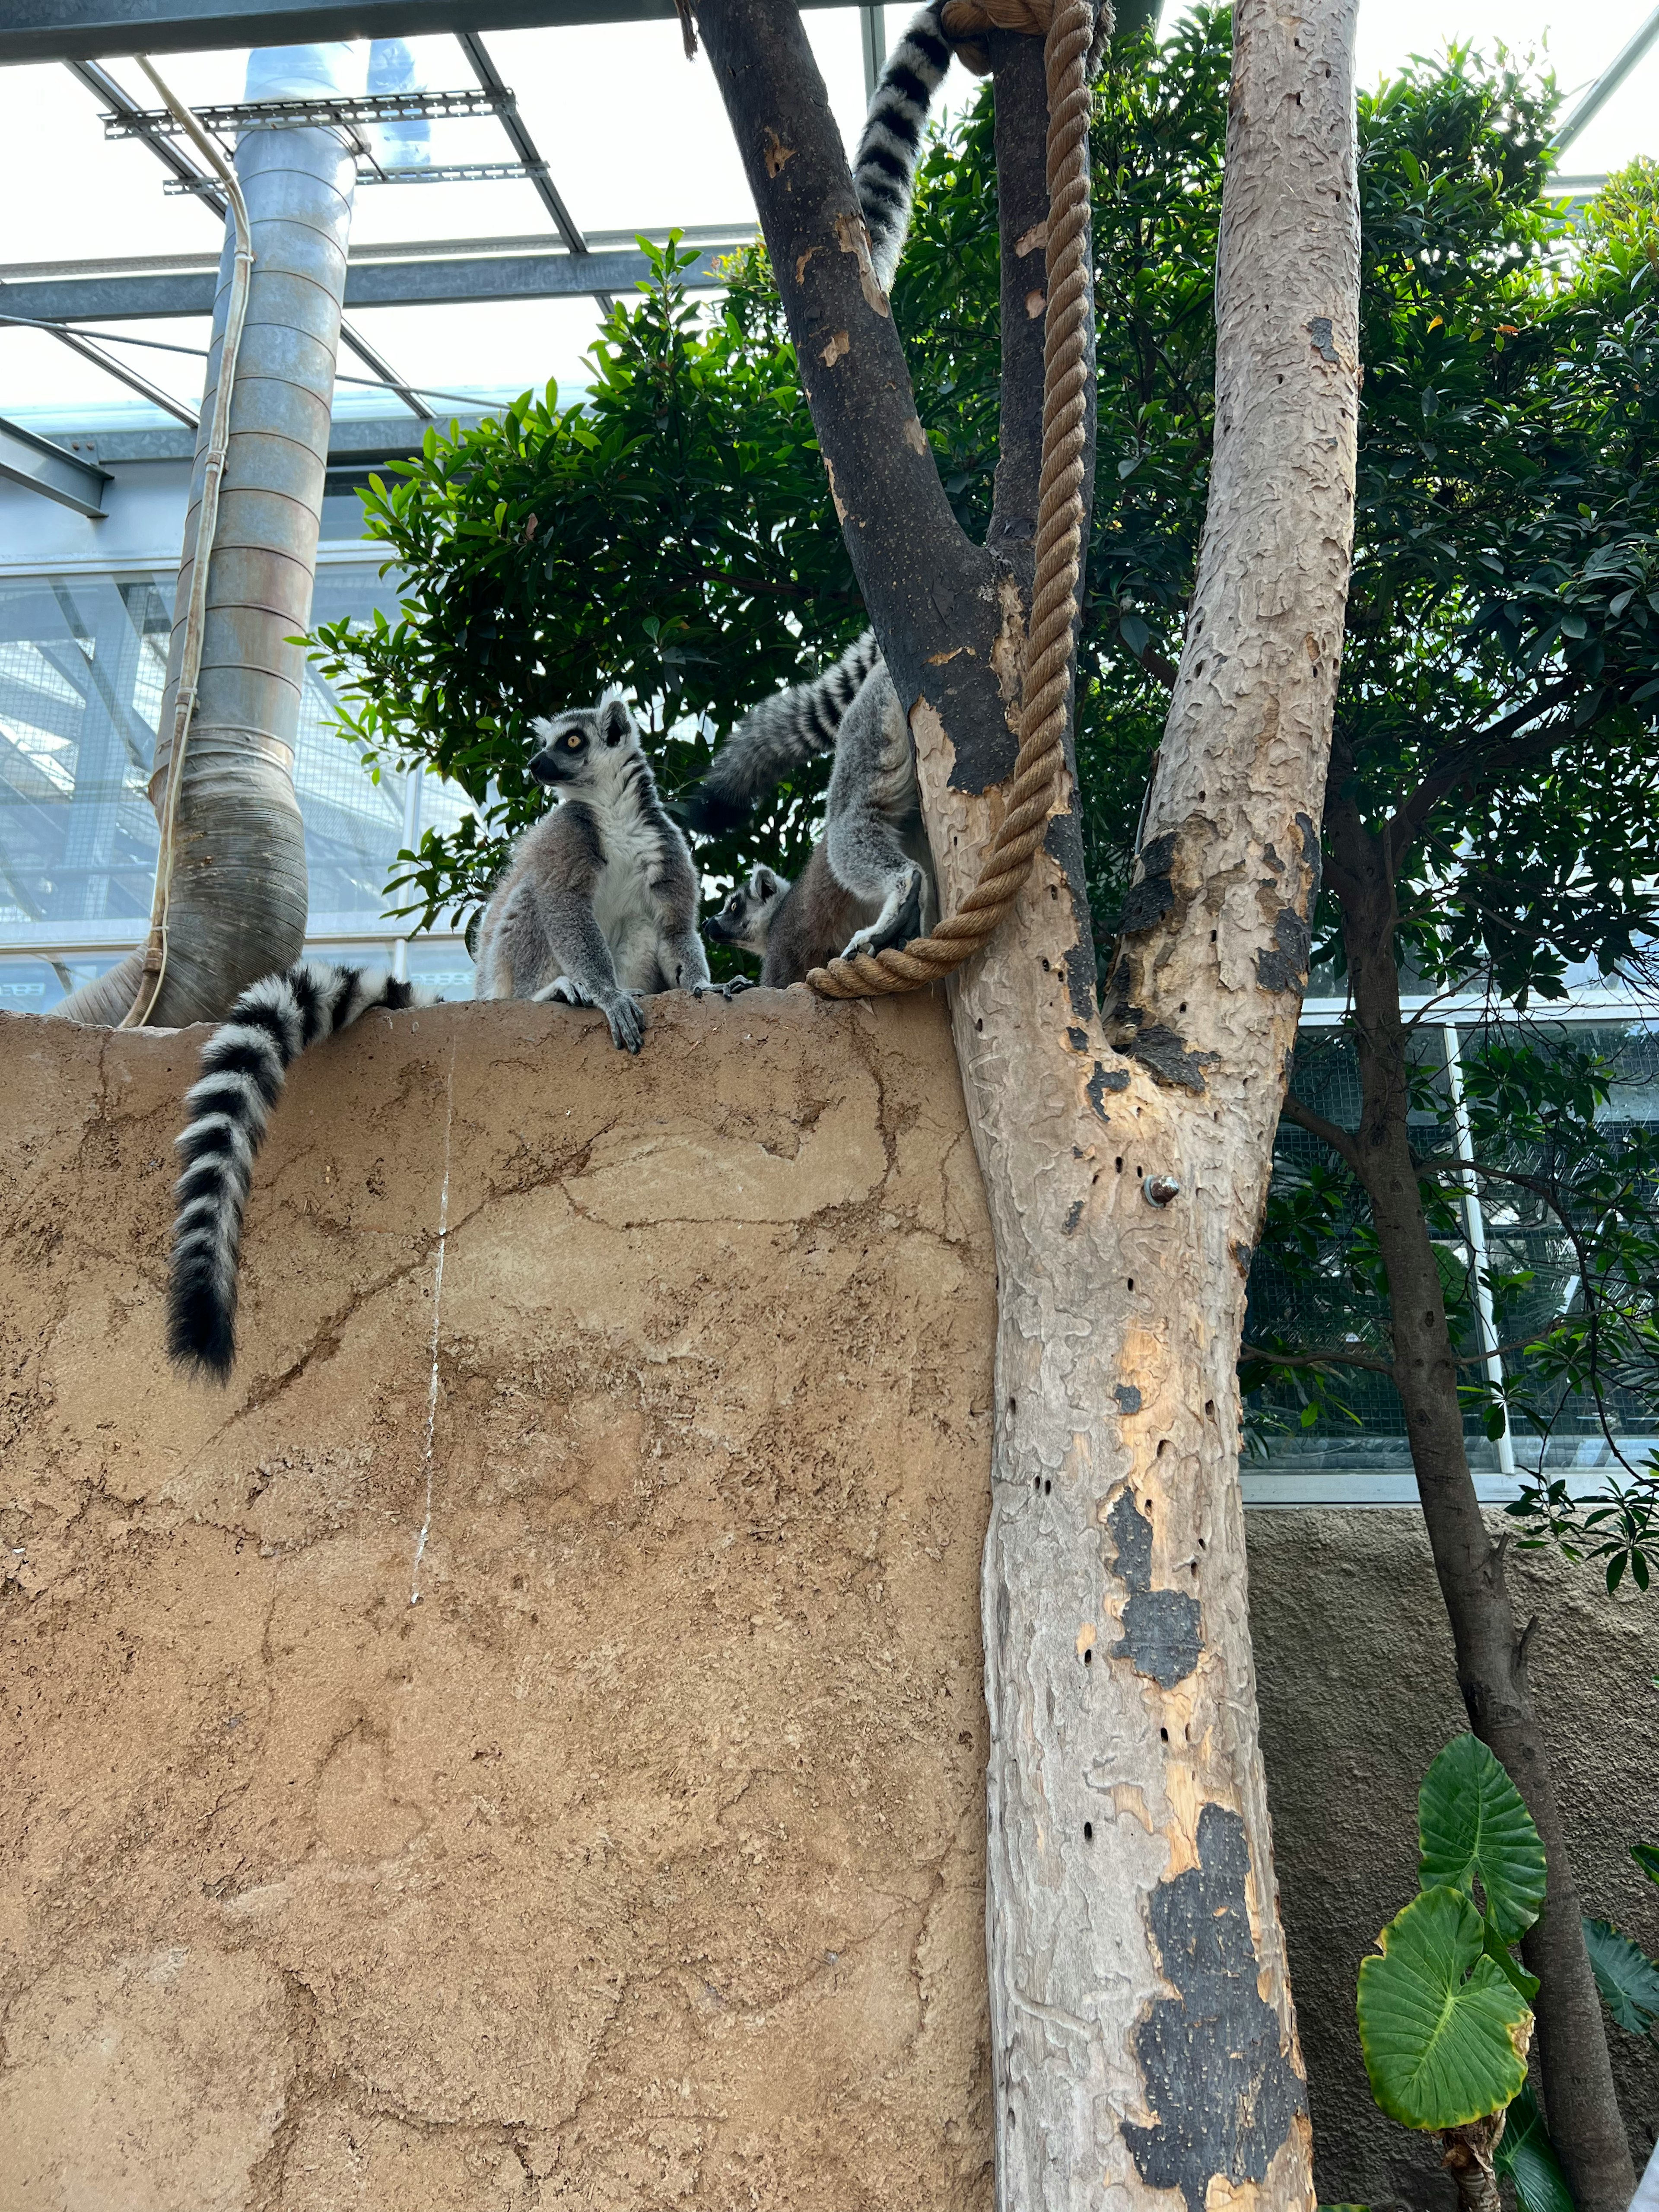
column 437, row 1313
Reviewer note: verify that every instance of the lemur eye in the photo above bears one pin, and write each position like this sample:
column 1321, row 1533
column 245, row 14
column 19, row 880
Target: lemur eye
column 574, row 742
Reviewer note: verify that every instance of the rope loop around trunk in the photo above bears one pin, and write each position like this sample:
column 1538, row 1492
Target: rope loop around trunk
column 1051, row 643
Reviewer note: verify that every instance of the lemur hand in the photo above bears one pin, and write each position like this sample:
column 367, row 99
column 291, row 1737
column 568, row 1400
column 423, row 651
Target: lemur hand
column 626, row 1019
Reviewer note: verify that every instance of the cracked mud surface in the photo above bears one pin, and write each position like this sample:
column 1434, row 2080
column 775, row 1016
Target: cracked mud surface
column 640, row 1864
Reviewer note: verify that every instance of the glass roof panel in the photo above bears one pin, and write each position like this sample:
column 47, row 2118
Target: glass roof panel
column 634, row 137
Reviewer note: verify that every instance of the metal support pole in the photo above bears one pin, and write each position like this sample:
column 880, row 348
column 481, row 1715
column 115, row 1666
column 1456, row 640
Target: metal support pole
column 1474, row 1230
column 411, row 831
column 872, row 25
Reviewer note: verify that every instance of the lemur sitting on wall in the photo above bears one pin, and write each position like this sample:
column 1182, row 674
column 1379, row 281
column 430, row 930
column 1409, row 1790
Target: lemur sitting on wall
column 598, row 904
column 871, row 883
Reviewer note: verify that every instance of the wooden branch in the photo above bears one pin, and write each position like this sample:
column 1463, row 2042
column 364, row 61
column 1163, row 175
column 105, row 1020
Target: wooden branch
column 1341, row 1141
column 1335, row 1357
column 931, row 593
column 1479, row 757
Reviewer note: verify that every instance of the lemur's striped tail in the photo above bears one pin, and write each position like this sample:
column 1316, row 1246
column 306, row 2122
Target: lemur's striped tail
column 780, row 734
column 884, row 167
column 245, row 1063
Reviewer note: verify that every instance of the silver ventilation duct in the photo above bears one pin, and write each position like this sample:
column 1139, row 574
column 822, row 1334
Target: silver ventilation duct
column 238, row 897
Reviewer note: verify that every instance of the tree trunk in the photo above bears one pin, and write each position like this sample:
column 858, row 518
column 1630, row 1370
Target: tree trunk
column 1144, row 2037
column 238, row 899
column 1580, row 2107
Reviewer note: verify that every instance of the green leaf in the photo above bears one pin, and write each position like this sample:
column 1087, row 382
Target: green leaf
column 1443, row 2032
column 1526, row 2155
column 1504, row 1959
column 1472, row 1826
column 1628, row 1977
column 1646, row 1855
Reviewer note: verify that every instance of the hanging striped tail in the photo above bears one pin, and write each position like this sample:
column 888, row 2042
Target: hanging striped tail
column 884, row 167
column 245, row 1064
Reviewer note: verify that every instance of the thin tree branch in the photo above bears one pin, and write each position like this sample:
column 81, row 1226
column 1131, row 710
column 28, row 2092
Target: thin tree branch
column 1336, row 1357
column 1342, row 1142
column 1480, row 755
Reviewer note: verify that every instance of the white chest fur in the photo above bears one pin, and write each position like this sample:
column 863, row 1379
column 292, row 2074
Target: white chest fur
column 623, row 904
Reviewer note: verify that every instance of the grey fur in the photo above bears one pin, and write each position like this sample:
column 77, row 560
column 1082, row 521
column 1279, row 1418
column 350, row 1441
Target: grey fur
column 792, row 927
column 874, row 843
column 600, row 903
column 782, row 734
column 870, row 882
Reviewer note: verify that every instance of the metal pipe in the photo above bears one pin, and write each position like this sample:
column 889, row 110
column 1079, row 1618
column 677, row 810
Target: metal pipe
column 238, row 895
column 213, row 469
column 1608, row 83
column 411, row 831
column 1474, row 1229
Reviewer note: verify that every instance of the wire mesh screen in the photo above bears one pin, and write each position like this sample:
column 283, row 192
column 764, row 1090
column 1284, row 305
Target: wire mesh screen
column 1333, row 1295
column 82, row 669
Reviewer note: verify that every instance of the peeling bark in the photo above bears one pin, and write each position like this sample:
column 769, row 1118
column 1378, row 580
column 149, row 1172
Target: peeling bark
column 1143, row 2034
column 1491, row 1648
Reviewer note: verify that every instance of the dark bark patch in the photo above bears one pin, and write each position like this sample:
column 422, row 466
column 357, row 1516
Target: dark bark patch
column 1063, row 841
column 1320, row 331
column 1163, row 1632
column 1153, row 895
column 1281, row 966
column 1166, row 1055
column 1210, row 2058
column 1242, row 1255
column 1103, row 1081
column 1128, row 1397
column 1078, row 1039
column 1074, row 1214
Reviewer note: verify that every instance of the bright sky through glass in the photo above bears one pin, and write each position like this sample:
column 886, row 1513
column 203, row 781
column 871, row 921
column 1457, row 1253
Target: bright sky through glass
column 635, row 137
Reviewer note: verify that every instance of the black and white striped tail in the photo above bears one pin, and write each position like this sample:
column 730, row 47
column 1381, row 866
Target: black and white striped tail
column 884, row 167
column 244, row 1065
column 780, row 734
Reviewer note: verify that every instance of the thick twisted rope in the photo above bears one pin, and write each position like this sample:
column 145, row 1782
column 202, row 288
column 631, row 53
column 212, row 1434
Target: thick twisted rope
column 1051, row 642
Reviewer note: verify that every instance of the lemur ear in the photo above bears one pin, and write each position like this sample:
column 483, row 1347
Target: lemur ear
column 614, row 721
column 765, row 884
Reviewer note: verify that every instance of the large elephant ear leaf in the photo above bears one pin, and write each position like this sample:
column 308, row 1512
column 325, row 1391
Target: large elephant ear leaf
column 1527, row 2155
column 1472, row 1826
column 1443, row 2030
column 1628, row 1977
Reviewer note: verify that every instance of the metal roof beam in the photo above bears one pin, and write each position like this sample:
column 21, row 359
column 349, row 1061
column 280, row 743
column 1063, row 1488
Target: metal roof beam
column 184, row 172
column 68, row 30
column 1608, row 83
column 459, row 280
column 39, row 465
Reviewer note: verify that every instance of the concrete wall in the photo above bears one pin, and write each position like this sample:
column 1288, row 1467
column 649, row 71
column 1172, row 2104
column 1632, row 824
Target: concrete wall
column 638, row 1863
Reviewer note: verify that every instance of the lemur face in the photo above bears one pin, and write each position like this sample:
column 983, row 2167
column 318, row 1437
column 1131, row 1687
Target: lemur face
column 580, row 746
column 746, row 919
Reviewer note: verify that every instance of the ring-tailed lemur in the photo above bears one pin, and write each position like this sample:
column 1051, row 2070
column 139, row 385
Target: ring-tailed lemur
column 792, row 928
column 870, row 884
column 874, row 848
column 599, row 902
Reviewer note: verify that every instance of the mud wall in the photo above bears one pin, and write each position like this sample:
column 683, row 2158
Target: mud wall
column 619, row 1843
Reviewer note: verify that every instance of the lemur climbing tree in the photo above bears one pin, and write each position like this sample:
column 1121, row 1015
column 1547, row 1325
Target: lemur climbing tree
column 1143, row 2033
